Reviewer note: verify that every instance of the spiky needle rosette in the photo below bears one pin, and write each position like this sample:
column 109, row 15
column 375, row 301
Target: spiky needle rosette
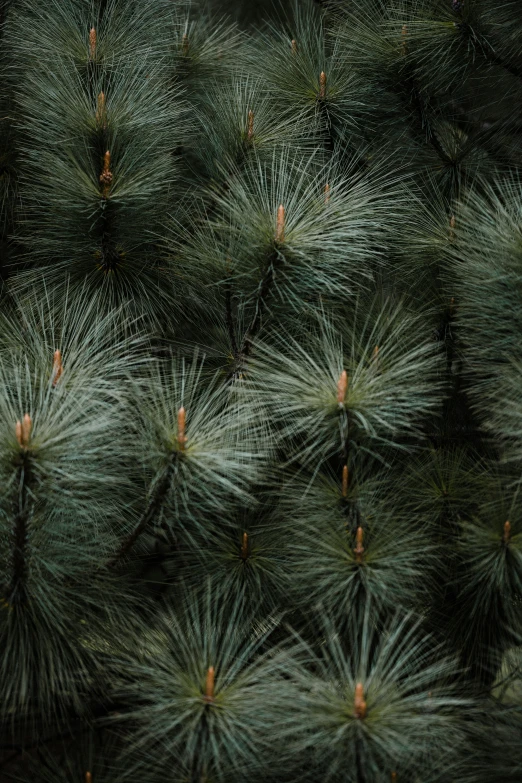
column 386, row 694
column 205, row 448
column 332, row 248
column 312, row 82
column 246, row 555
column 297, row 381
column 489, row 578
column 205, row 686
column 394, row 562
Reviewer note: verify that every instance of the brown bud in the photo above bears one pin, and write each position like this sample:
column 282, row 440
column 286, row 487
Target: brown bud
column 375, row 354
column 57, row 366
column 27, row 426
column 185, row 43
column 507, row 532
column 294, row 46
column 359, row 549
column 250, row 131
column 88, row 777
column 345, row 481
column 106, row 175
column 209, row 684
column 394, row 777
column 23, row 431
column 244, row 547
column 92, row 43
column 322, row 84
column 359, row 704
column 452, row 224
column 280, row 229
column 326, row 193
column 100, row 110
column 342, row 385
column 182, row 438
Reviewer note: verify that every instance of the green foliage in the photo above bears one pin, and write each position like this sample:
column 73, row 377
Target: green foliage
column 203, row 467
column 260, row 420
column 326, row 568
column 246, row 555
column 391, row 381
column 63, row 479
column 202, row 696
column 490, row 568
column 94, row 99
column 383, row 703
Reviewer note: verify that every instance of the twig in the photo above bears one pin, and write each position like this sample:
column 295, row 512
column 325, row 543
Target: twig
column 148, row 515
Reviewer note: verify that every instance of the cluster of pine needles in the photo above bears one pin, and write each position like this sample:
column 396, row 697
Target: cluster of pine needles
column 260, row 409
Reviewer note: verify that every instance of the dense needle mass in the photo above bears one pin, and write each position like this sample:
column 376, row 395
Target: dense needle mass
column 260, row 410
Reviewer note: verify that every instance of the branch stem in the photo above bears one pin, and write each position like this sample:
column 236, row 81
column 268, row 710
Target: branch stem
column 265, row 290
column 153, row 507
column 230, row 319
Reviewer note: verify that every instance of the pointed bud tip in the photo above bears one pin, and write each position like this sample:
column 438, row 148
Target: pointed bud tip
column 359, row 702
column 100, row 109
column 359, row 548
column 342, row 385
column 345, row 481
column 57, row 366
column 23, row 431
column 280, row 228
column 327, row 193
column 27, row 426
column 244, row 547
column 182, row 438
column 322, row 84
column 92, row 42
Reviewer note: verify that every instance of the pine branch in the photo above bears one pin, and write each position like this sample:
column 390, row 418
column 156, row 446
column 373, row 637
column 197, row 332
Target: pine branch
column 412, row 86
column 230, row 319
column 265, row 291
column 152, row 510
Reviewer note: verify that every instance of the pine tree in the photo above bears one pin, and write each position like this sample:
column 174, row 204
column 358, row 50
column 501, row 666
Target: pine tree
column 261, row 427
